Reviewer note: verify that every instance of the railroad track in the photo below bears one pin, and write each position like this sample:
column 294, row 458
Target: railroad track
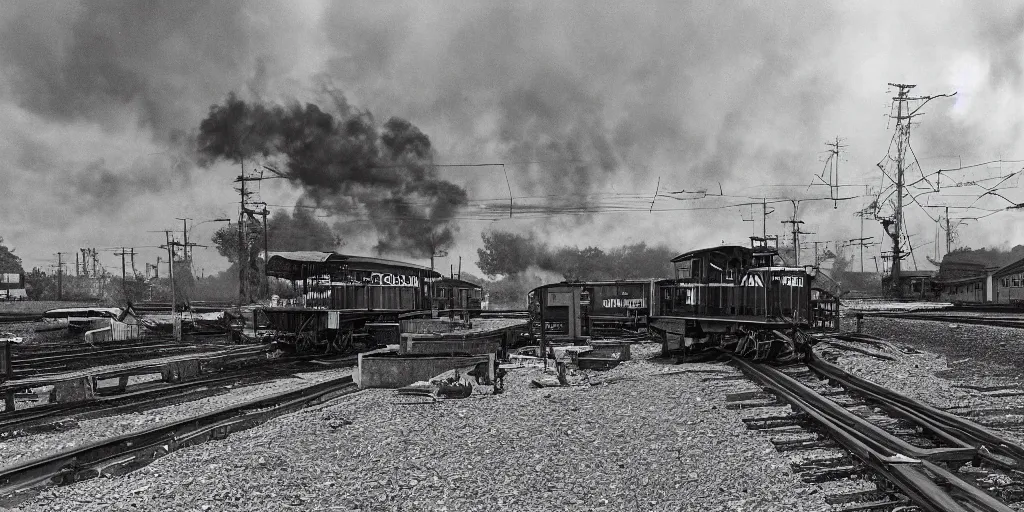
column 119, row 455
column 1014, row 321
column 42, row 363
column 64, row 416
column 918, row 455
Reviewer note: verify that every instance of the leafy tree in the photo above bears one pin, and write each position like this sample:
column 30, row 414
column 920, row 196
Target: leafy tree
column 506, row 253
column 40, row 286
column 9, row 262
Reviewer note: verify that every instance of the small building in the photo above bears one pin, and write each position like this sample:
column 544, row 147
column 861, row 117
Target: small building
column 1008, row 282
column 971, row 289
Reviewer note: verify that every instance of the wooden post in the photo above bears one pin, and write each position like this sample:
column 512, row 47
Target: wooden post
column 6, row 373
column 543, row 335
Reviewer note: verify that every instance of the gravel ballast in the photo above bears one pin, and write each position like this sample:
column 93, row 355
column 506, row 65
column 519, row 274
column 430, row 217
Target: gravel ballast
column 21, row 449
column 650, row 436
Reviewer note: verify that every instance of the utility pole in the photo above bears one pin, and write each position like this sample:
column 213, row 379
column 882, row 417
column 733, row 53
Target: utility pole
column 796, row 234
column 835, row 148
column 862, row 243
column 124, row 278
column 122, row 254
column 266, row 257
column 904, row 114
column 60, row 276
column 175, row 321
column 764, row 221
column 184, row 237
column 949, row 234
column 243, row 243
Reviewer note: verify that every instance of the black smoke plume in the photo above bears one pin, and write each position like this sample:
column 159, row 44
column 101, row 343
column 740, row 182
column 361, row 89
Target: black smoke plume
column 347, row 164
column 509, row 254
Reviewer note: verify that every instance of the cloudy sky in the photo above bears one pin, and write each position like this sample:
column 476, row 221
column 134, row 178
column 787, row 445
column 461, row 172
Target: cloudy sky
column 597, row 104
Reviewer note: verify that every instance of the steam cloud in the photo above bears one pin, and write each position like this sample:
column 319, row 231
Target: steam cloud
column 346, row 164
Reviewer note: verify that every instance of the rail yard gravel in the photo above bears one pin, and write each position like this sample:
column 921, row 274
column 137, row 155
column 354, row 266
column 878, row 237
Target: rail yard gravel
column 972, row 350
column 649, row 436
column 957, row 385
column 20, row 449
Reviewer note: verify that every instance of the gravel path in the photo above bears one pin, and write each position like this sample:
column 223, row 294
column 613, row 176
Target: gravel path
column 637, row 441
column 20, row 449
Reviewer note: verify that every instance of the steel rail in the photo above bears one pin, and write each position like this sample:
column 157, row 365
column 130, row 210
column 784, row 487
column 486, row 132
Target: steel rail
column 124, row 453
column 149, row 398
column 878, row 449
column 977, row 434
column 1011, row 322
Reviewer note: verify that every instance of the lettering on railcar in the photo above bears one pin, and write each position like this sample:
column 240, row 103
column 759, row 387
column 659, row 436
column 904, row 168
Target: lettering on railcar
column 752, row 280
column 624, row 303
column 381, row 279
column 797, row 281
column 554, row 326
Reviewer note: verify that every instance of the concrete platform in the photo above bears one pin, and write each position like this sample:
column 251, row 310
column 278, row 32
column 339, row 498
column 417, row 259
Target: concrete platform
column 487, row 336
column 393, row 370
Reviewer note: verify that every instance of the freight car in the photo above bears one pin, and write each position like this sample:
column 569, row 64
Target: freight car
column 738, row 297
column 342, row 299
column 575, row 310
column 451, row 297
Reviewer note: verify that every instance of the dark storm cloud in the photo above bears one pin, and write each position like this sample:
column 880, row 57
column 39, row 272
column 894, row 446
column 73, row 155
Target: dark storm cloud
column 103, row 58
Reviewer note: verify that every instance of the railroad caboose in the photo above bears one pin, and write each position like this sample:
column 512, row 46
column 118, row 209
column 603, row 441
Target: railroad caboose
column 731, row 294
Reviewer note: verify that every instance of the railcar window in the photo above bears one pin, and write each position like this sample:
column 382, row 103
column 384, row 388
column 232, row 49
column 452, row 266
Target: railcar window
column 1016, row 281
column 680, row 298
column 683, row 269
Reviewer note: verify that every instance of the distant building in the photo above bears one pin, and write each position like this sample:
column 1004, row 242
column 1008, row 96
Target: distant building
column 977, row 283
column 915, row 284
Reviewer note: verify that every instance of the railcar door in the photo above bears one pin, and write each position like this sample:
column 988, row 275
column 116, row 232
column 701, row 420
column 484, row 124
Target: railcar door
column 586, row 299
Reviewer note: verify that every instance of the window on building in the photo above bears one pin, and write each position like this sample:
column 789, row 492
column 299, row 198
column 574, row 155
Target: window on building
column 1015, row 282
column 683, row 269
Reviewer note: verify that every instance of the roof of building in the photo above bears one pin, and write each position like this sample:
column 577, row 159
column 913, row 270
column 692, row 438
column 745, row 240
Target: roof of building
column 455, row 281
column 1011, row 268
column 287, row 265
column 600, row 283
column 918, row 273
column 306, row 256
column 720, row 248
column 963, row 280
